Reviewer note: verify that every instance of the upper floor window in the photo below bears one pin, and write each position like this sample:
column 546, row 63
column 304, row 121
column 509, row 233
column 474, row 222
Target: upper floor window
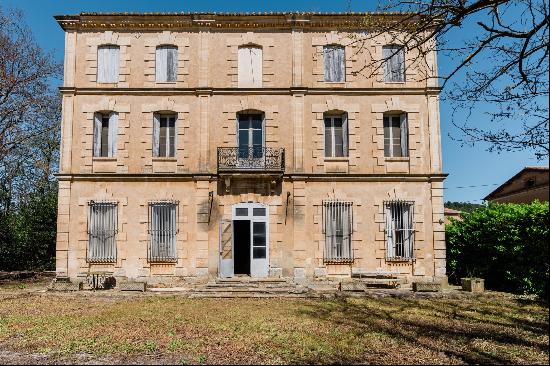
column 107, row 63
column 162, row 231
column 102, row 230
column 335, row 63
column 396, row 136
column 250, row 138
column 164, row 135
column 105, row 134
column 250, row 67
column 336, row 135
column 394, row 63
column 166, row 63
column 338, row 228
column 399, row 217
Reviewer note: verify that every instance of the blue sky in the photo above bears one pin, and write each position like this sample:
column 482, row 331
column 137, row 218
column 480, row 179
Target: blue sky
column 467, row 166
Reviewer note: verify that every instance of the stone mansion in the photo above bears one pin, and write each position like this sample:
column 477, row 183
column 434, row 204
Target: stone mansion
column 215, row 145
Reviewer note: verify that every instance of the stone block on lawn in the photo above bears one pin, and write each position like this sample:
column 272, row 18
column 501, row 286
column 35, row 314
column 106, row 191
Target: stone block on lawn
column 473, row 284
column 133, row 286
column 426, row 286
column 66, row 286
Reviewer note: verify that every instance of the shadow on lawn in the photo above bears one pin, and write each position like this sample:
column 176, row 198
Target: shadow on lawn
column 437, row 327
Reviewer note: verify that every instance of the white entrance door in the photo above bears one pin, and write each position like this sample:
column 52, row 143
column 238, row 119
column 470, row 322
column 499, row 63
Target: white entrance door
column 258, row 215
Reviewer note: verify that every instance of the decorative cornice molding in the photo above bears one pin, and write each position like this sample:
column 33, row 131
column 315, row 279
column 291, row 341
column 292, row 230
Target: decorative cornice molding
column 176, row 21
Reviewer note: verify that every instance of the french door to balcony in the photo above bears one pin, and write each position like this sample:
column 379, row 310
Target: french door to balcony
column 251, row 139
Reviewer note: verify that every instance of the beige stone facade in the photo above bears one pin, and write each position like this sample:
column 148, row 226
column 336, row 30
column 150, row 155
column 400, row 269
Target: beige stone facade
column 205, row 97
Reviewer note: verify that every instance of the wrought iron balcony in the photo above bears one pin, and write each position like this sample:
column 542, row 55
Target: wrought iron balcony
column 251, row 159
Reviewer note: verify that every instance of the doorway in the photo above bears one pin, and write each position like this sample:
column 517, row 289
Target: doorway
column 244, row 241
column 241, row 240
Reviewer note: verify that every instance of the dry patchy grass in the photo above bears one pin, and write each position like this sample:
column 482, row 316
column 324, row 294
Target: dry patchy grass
column 483, row 329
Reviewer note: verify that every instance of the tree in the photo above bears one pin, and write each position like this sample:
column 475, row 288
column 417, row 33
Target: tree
column 503, row 64
column 30, row 114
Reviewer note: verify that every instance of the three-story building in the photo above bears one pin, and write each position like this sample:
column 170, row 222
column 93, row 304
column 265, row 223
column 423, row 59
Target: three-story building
column 199, row 145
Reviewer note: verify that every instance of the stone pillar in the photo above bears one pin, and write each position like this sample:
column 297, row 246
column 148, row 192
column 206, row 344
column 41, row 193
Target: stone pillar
column 435, row 134
column 439, row 246
column 62, row 241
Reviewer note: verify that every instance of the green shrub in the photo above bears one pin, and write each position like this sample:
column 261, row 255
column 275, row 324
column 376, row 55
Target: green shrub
column 507, row 244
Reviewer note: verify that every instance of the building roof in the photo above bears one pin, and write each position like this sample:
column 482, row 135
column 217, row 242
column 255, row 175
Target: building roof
column 527, row 169
column 155, row 20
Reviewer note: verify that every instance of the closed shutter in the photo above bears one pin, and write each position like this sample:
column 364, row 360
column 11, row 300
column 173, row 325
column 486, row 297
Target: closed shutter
column 107, row 64
column 166, row 63
column 394, row 63
column 334, row 63
column 162, row 231
column 250, row 70
column 97, row 133
column 102, row 230
column 338, row 229
column 156, row 134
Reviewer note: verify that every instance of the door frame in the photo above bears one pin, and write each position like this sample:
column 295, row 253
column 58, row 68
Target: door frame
column 250, row 206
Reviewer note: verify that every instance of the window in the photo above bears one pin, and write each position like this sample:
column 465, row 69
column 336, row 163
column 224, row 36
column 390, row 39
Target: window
column 102, row 230
column 336, row 136
column 338, row 228
column 394, row 63
column 164, row 135
column 162, row 231
column 335, row 63
column 166, row 64
column 105, row 134
column 250, row 136
column 399, row 229
column 250, row 67
column 396, row 136
column 107, row 64
column 530, row 183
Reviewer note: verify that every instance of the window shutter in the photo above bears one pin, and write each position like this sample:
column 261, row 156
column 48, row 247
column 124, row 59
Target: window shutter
column 257, row 69
column 345, row 134
column 386, row 53
column 97, row 134
column 328, row 55
column 346, row 231
column 113, row 132
column 107, row 64
column 245, row 67
column 156, row 134
column 172, row 61
column 400, row 63
column 334, row 63
column 404, row 135
column 389, row 232
column 161, row 64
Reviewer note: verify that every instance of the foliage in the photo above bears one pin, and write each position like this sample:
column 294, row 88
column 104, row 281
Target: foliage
column 463, row 206
column 30, row 114
column 507, row 244
column 28, row 234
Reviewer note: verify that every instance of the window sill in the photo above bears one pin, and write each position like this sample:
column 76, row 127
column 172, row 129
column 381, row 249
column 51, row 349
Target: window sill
column 395, row 82
column 338, row 261
column 166, row 82
column 165, row 261
column 400, row 260
column 394, row 158
column 340, row 158
column 104, row 158
column 165, row 159
column 343, row 83
column 107, row 83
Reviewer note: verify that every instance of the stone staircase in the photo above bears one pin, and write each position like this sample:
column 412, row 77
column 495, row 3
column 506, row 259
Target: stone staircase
column 246, row 287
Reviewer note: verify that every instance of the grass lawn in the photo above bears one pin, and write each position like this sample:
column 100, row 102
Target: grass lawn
column 49, row 327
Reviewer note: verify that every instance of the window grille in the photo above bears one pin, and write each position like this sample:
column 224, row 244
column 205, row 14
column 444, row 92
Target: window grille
column 107, row 64
column 394, row 63
column 335, row 63
column 338, row 228
column 102, row 230
column 399, row 217
column 162, row 231
column 396, row 136
column 166, row 63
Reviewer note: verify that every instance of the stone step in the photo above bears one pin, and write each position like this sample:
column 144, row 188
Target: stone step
column 251, row 294
column 250, row 280
column 251, row 289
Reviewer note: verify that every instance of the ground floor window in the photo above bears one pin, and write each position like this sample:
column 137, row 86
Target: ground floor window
column 338, row 229
column 102, row 230
column 162, row 231
column 399, row 218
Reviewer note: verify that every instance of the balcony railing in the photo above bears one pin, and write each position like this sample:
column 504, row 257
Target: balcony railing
column 251, row 159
